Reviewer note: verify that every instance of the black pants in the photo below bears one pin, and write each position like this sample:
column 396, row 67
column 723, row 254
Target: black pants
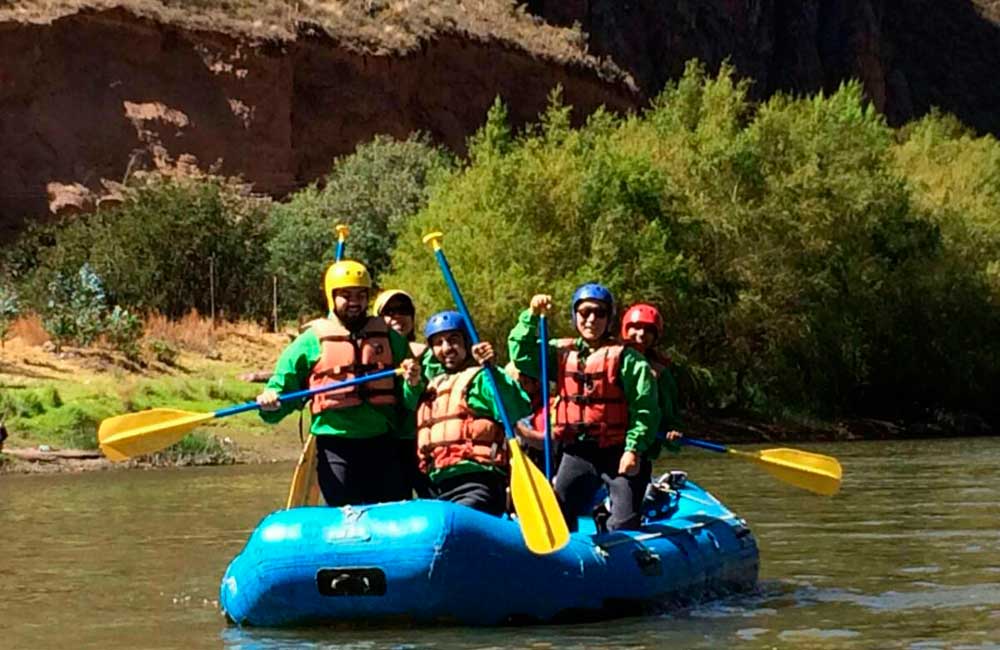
column 354, row 471
column 412, row 479
column 583, row 468
column 485, row 491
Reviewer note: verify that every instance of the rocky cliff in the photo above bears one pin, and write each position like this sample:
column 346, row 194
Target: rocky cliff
column 97, row 88
column 910, row 55
column 94, row 94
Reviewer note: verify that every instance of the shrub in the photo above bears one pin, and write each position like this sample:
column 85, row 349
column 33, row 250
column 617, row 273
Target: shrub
column 797, row 269
column 163, row 351
column 123, row 331
column 153, row 249
column 9, row 310
column 76, row 306
column 374, row 191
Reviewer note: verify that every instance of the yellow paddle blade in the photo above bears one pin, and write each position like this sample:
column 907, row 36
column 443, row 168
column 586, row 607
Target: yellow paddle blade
column 542, row 523
column 146, row 432
column 813, row 472
column 304, row 490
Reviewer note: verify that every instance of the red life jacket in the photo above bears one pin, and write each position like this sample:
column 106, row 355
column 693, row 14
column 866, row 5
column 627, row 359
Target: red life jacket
column 591, row 401
column 345, row 355
column 448, row 431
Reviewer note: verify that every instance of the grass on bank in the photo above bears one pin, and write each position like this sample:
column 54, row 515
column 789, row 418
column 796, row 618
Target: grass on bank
column 60, row 399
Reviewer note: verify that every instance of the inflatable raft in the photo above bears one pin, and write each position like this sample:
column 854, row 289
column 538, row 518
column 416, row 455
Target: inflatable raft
column 433, row 562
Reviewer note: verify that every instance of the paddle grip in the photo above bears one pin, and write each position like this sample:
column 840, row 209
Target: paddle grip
column 704, row 444
column 300, row 394
column 456, row 295
column 543, row 342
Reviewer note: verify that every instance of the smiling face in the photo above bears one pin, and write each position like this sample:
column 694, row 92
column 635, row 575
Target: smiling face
column 398, row 315
column 592, row 320
column 450, row 349
column 350, row 304
column 642, row 337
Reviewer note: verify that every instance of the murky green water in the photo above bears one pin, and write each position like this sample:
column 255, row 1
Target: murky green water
column 907, row 556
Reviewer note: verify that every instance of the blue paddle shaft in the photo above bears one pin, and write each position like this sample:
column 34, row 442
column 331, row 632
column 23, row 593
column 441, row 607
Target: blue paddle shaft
column 704, row 444
column 456, row 295
column 309, row 392
column 339, row 255
column 543, row 341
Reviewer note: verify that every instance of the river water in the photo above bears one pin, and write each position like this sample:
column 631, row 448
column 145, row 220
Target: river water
column 906, row 556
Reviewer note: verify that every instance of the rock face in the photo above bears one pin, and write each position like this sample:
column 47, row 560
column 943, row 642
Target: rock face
column 909, row 55
column 94, row 95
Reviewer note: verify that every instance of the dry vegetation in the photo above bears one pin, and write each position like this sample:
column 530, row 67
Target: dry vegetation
column 378, row 27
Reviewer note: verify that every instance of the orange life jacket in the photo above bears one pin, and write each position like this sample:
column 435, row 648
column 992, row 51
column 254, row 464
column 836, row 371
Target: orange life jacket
column 591, row 401
column 345, row 355
column 448, row 431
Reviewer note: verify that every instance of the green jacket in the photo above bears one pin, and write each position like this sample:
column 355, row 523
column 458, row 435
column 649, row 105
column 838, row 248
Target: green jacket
column 363, row 421
column 480, row 399
column 638, row 381
column 429, row 369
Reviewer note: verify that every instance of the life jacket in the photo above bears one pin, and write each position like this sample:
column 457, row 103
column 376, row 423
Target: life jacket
column 532, row 427
column 448, row 431
column 591, row 401
column 345, row 355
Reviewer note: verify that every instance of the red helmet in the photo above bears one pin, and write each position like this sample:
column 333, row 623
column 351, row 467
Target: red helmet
column 643, row 314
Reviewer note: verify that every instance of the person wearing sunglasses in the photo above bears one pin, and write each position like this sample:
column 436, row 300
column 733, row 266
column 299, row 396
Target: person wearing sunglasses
column 606, row 412
column 355, row 427
column 460, row 439
column 396, row 307
column 642, row 329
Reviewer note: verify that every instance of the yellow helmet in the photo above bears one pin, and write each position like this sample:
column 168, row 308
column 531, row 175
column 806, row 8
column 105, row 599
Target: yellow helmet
column 383, row 298
column 344, row 274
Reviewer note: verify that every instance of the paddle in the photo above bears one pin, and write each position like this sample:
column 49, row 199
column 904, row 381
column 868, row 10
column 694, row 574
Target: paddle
column 542, row 523
column 124, row 436
column 813, row 472
column 342, row 232
column 543, row 341
column 304, row 490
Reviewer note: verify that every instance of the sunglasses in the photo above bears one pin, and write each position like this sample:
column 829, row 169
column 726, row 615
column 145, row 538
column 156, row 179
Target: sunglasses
column 397, row 311
column 597, row 312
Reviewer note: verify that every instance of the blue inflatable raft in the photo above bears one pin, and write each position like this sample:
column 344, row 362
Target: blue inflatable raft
column 436, row 562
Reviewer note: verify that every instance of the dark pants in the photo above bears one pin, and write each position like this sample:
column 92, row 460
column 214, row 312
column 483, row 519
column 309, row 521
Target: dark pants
column 485, row 491
column 584, row 467
column 354, row 471
column 413, row 480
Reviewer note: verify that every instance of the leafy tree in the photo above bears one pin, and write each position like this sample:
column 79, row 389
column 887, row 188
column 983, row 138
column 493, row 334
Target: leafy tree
column 374, row 191
column 797, row 269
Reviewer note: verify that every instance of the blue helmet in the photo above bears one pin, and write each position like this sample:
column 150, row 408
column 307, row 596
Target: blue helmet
column 592, row 291
column 445, row 321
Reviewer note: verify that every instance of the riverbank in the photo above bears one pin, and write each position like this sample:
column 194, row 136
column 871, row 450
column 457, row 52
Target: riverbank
column 52, row 403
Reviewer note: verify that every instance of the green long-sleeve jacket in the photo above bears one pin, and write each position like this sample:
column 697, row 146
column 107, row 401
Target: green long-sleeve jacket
column 429, row 369
column 480, row 398
column 638, row 382
column 670, row 418
column 363, row 421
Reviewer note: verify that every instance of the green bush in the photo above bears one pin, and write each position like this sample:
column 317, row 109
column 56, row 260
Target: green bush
column 797, row 269
column 9, row 310
column 163, row 351
column 76, row 306
column 123, row 331
column 153, row 250
column 374, row 191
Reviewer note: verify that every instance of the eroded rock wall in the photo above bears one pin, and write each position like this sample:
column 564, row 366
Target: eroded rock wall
column 95, row 94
